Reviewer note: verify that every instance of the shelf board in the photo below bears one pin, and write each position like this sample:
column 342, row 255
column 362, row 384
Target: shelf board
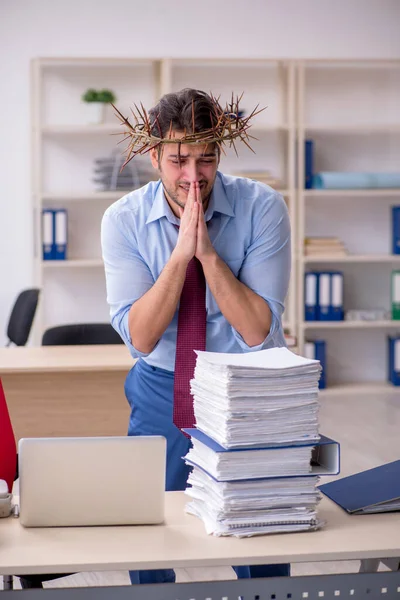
column 116, row 128
column 108, row 196
column 104, row 129
column 349, row 389
column 362, row 129
column 111, row 196
column 367, row 193
column 73, row 263
column 352, row 258
column 270, row 127
column 350, row 324
column 98, row 61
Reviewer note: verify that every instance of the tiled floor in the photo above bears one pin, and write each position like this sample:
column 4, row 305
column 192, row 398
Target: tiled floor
column 368, row 429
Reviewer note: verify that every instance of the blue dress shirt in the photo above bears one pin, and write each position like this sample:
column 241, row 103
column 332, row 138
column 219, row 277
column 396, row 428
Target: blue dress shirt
column 249, row 227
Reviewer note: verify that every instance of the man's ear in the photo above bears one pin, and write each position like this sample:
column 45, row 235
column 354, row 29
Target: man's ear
column 154, row 158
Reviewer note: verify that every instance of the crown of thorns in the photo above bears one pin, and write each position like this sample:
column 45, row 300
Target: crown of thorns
column 229, row 125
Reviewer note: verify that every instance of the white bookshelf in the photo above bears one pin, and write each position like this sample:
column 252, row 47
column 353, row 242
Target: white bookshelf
column 351, row 110
column 64, row 147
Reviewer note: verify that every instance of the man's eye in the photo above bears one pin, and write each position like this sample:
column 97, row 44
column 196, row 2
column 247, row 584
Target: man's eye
column 176, row 162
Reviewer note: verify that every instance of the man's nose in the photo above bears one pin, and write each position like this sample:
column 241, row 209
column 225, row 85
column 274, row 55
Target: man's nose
column 192, row 172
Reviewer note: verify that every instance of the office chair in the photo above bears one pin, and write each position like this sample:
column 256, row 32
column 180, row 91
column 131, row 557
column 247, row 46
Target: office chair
column 81, row 333
column 21, row 318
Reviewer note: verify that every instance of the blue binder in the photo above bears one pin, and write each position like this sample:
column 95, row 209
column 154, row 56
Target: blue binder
column 320, row 354
column 310, row 296
column 47, row 234
column 315, row 350
column 395, row 229
column 371, row 491
column 324, row 309
column 60, row 234
column 308, row 164
column 336, row 292
column 325, row 459
column 394, row 360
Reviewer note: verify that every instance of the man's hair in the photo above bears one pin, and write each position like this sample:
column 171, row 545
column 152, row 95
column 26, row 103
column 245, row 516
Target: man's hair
column 180, row 111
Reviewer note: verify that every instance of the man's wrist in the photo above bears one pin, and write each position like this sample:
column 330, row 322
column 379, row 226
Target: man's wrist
column 209, row 260
column 178, row 259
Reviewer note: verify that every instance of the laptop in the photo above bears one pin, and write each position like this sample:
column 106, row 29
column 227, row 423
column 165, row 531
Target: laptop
column 92, row 481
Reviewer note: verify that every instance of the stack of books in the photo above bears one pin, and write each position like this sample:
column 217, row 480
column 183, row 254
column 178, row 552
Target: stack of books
column 324, row 246
column 261, row 176
column 253, row 455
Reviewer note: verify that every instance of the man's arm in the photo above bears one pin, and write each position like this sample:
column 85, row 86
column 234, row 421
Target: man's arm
column 265, row 273
column 245, row 310
column 150, row 316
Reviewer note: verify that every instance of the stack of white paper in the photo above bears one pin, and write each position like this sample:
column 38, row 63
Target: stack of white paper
column 251, row 464
column 244, row 400
column 252, row 468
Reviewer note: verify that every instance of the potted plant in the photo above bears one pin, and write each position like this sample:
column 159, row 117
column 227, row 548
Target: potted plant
column 96, row 103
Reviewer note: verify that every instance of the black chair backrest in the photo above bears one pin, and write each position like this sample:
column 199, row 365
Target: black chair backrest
column 81, row 333
column 22, row 315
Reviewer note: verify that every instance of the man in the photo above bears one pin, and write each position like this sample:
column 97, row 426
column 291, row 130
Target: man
column 236, row 231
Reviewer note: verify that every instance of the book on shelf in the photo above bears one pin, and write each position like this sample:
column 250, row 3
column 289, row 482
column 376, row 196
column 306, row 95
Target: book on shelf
column 394, row 359
column 308, row 164
column 346, row 180
column 370, row 314
column 261, row 176
column 328, row 246
column 395, row 295
column 395, row 229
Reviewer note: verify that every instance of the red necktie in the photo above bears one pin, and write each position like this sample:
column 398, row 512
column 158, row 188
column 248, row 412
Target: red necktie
column 191, row 336
column 8, row 450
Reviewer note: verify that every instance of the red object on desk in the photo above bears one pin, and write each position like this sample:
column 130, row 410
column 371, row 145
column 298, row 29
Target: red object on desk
column 8, row 448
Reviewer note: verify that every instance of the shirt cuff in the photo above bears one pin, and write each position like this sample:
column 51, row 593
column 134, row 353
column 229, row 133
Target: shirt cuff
column 123, row 329
column 274, row 339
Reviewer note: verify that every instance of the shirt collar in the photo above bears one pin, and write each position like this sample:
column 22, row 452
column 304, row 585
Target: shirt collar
column 219, row 202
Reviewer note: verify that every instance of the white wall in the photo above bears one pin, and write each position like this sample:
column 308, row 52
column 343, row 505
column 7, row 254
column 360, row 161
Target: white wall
column 212, row 28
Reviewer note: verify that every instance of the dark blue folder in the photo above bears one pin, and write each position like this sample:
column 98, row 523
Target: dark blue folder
column 372, row 491
column 325, row 458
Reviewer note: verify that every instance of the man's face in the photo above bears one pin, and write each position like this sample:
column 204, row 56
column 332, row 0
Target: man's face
column 198, row 162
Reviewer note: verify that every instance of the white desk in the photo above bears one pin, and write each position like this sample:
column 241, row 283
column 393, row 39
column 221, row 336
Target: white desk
column 182, row 542
column 66, row 390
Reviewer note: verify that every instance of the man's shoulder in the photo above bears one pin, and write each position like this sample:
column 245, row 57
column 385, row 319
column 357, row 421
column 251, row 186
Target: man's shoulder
column 135, row 205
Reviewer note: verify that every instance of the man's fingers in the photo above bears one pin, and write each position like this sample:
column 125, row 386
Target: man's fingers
column 198, row 194
column 191, row 194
